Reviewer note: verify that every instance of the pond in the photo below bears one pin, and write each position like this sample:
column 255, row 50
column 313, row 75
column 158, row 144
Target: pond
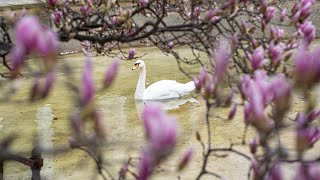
column 48, row 122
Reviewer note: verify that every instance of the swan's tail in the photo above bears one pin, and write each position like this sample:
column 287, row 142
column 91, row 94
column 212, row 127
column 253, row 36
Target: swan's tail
column 191, row 86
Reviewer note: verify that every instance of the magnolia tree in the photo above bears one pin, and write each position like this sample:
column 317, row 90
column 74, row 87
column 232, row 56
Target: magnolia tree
column 233, row 37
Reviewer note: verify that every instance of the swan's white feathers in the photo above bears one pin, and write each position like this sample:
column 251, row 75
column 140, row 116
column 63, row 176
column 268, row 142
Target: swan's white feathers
column 166, row 89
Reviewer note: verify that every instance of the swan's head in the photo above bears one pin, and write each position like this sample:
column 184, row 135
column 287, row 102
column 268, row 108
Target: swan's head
column 138, row 64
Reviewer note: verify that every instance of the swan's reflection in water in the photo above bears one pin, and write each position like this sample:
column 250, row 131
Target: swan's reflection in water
column 168, row 104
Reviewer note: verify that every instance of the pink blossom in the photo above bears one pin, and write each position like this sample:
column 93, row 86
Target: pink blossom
column 145, row 165
column 87, row 89
column 111, row 72
column 132, row 52
column 57, row 17
column 114, row 20
column 275, row 53
column 196, row 12
column 308, row 31
column 295, row 18
column 270, row 12
column 306, row 10
column 306, row 137
column 257, row 58
column 305, row 2
column 27, row 32
column 313, row 115
column 47, row 43
column 283, row 14
column 212, row 15
column 161, row 130
column 221, row 58
column 52, row 2
column 307, row 66
column 144, row 3
column 275, row 172
column 276, row 32
column 307, row 172
column 84, row 10
column 170, row 45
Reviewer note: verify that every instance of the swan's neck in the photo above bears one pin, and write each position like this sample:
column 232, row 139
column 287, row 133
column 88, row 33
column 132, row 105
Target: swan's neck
column 141, row 84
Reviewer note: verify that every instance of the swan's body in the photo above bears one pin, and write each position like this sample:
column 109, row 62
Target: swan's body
column 164, row 89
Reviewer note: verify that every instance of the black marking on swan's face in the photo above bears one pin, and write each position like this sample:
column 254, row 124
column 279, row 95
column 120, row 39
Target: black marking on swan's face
column 137, row 64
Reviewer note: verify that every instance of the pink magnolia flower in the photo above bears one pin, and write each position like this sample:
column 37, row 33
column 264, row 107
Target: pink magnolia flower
column 308, row 31
column 196, row 12
column 306, row 137
column 170, row 45
column 161, row 130
column 275, row 172
column 114, row 20
column 52, row 2
column 305, row 2
column 275, row 52
column 161, row 134
column 57, row 15
column 27, row 32
column 257, row 58
column 306, row 10
column 145, row 166
column 307, row 66
column 260, row 91
column 47, row 43
column 111, row 72
column 84, row 10
column 296, row 16
column 221, row 58
column 144, row 3
column 281, row 92
column 87, row 89
column 283, row 14
column 270, row 12
column 212, row 15
column 132, row 52
column 301, row 120
column 276, row 32
column 308, row 171
column 313, row 115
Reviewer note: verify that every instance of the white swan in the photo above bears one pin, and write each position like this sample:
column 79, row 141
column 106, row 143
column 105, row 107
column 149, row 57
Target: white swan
column 164, row 89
